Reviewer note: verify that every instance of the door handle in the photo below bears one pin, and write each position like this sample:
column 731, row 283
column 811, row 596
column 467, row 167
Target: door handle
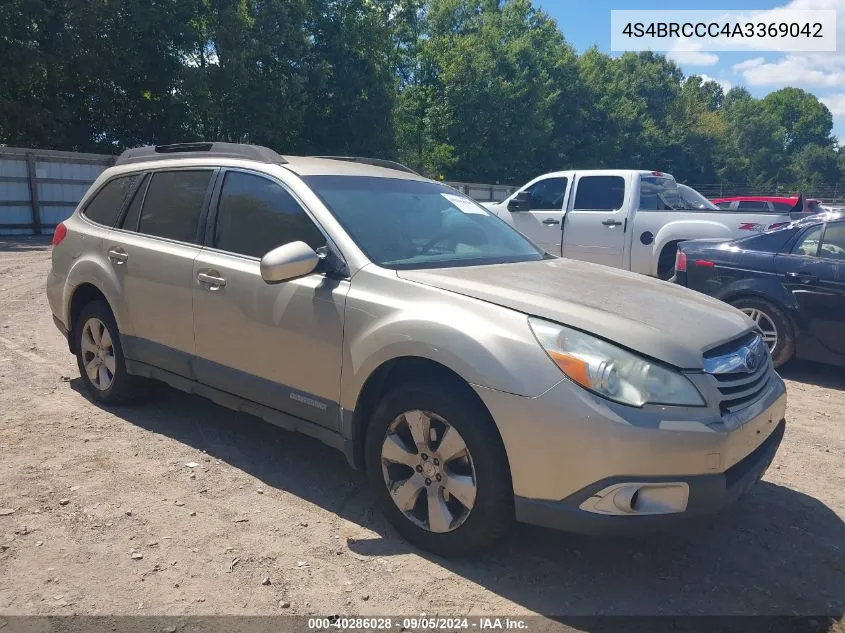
column 118, row 255
column 550, row 221
column 804, row 278
column 212, row 281
column 612, row 223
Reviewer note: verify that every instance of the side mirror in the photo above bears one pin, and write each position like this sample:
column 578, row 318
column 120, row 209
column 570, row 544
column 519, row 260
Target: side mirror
column 289, row 261
column 520, row 202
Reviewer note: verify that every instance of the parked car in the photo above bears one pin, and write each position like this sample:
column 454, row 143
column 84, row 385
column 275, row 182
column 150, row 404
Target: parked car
column 791, row 282
column 622, row 218
column 769, row 204
column 474, row 377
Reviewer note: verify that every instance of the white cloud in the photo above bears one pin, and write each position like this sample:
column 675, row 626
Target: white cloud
column 835, row 103
column 693, row 58
column 726, row 85
column 687, row 52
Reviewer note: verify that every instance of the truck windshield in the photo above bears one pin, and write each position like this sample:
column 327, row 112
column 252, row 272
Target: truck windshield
column 658, row 194
column 401, row 223
column 691, row 199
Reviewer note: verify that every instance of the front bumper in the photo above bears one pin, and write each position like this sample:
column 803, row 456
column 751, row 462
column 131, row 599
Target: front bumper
column 708, row 494
column 567, row 445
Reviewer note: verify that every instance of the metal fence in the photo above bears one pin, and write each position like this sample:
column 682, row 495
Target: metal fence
column 40, row 188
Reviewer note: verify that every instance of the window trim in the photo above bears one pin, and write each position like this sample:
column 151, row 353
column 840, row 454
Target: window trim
column 123, row 207
column 214, row 208
column 201, row 220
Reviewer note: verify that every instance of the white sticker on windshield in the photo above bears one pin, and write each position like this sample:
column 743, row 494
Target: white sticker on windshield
column 467, row 206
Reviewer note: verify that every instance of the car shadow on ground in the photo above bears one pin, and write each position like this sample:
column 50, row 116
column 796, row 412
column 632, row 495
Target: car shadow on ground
column 777, row 551
column 817, row 374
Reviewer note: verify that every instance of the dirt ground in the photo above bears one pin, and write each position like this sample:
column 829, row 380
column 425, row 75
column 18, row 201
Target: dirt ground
column 101, row 514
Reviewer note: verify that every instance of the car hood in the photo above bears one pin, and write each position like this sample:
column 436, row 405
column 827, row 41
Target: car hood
column 655, row 318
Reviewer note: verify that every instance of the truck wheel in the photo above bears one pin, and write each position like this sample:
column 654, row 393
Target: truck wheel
column 99, row 356
column 438, row 468
column 773, row 325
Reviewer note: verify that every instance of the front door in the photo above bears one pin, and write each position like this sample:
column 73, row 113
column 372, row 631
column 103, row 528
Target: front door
column 542, row 223
column 594, row 226
column 279, row 345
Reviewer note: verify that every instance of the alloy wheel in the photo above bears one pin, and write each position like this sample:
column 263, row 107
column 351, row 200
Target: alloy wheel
column 765, row 325
column 98, row 353
column 428, row 471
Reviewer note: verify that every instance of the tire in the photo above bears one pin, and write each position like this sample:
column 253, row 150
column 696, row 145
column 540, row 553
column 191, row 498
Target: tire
column 768, row 315
column 110, row 384
column 491, row 513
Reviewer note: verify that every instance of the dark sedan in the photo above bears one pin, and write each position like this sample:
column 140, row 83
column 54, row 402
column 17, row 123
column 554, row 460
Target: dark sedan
column 791, row 281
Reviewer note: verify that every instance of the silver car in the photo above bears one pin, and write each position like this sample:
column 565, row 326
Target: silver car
column 477, row 379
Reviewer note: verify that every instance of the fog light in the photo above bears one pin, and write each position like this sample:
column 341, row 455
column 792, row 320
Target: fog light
column 639, row 498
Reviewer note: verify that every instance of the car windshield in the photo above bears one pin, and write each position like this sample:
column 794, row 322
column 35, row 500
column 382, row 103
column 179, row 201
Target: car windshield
column 401, row 223
column 691, row 199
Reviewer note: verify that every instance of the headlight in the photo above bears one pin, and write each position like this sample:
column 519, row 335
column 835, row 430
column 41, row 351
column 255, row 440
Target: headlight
column 610, row 371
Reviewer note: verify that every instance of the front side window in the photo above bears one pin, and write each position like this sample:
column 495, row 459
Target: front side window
column 548, row 193
column 108, row 201
column 403, row 223
column 808, row 244
column 173, row 204
column 833, row 243
column 599, row 193
column 255, row 215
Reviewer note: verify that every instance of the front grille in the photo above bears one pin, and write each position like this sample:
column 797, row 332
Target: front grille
column 740, row 388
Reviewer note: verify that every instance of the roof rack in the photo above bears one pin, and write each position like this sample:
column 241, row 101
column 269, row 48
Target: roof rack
column 200, row 150
column 376, row 162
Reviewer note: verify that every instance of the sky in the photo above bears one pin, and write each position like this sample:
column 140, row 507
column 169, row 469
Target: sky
column 585, row 24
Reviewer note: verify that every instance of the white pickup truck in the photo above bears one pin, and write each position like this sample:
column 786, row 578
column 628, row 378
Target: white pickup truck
column 623, row 218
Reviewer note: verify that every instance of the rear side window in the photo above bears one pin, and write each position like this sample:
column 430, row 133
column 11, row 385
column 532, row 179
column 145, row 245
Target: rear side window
column 808, row 244
column 548, row 193
column 173, row 204
column 108, row 201
column 833, row 244
column 133, row 213
column 255, row 215
column 751, row 205
column 600, row 193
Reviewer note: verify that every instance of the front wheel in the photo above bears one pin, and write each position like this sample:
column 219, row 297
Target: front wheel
column 439, row 470
column 774, row 326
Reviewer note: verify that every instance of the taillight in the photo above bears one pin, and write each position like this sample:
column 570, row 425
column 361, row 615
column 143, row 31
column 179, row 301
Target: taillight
column 703, row 263
column 680, row 262
column 59, row 234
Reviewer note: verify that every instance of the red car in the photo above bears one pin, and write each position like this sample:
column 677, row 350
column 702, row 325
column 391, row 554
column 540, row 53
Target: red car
column 770, row 204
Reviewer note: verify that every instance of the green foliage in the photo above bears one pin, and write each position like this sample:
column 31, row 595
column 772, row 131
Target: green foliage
column 475, row 90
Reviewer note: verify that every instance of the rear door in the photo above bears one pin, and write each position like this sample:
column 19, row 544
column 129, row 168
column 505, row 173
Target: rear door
column 596, row 220
column 542, row 223
column 151, row 253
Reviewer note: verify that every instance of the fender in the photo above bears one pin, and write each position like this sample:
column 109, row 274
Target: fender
column 88, row 269
column 484, row 347
column 681, row 230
